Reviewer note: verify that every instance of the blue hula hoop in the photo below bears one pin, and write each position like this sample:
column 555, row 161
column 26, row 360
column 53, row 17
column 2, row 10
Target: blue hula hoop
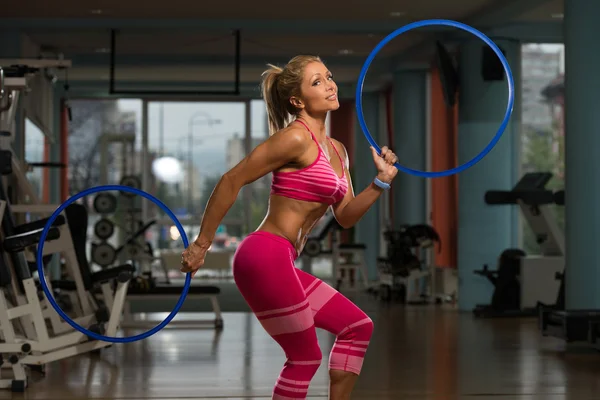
column 49, row 295
column 503, row 125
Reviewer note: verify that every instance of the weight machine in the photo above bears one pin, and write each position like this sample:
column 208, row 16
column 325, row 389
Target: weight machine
column 408, row 261
column 569, row 325
column 348, row 259
column 523, row 283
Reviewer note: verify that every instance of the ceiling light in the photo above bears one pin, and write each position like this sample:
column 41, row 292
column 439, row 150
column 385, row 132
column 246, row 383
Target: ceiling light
column 346, row 51
column 558, row 16
column 103, row 50
column 96, row 11
column 396, row 14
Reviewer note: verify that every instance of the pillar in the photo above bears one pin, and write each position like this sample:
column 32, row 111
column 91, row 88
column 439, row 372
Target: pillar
column 341, row 124
column 363, row 173
column 409, row 107
column 581, row 155
column 485, row 231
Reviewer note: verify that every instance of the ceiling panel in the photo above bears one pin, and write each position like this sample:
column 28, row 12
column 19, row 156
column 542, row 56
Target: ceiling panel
column 550, row 11
column 205, row 43
column 189, row 74
column 357, row 10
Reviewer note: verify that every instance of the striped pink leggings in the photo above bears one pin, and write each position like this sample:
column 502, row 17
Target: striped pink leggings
column 290, row 304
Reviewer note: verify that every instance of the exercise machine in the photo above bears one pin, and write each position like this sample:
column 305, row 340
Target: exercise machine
column 407, row 263
column 523, row 283
column 16, row 76
column 27, row 339
column 348, row 259
column 569, row 325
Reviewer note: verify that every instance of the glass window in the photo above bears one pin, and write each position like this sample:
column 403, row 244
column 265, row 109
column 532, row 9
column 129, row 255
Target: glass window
column 104, row 142
column 190, row 146
column 35, row 141
column 542, row 139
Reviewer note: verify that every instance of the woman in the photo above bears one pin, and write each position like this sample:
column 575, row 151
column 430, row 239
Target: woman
column 310, row 174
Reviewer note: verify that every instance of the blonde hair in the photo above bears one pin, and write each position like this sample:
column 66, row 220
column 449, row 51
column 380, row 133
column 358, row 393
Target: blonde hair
column 281, row 84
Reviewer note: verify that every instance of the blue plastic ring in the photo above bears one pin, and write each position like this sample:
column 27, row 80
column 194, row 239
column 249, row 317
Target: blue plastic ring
column 503, row 125
column 50, row 297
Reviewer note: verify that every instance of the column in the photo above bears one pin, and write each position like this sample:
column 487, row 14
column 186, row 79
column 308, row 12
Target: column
column 363, row 173
column 485, row 231
column 581, row 155
column 341, row 124
column 409, row 108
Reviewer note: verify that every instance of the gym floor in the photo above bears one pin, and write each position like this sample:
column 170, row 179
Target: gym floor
column 417, row 353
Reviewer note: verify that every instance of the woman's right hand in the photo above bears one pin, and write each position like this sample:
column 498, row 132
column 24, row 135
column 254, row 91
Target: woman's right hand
column 193, row 258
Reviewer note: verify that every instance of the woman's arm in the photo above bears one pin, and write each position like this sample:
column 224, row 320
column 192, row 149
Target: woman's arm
column 284, row 147
column 351, row 208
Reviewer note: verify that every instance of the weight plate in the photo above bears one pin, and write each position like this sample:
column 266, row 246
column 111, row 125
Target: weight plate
column 312, row 248
column 103, row 254
column 105, row 203
column 104, row 228
column 131, row 181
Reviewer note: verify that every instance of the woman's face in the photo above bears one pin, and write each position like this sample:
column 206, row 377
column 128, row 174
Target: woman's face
column 318, row 92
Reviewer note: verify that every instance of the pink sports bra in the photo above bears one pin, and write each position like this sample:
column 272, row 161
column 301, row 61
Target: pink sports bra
column 317, row 182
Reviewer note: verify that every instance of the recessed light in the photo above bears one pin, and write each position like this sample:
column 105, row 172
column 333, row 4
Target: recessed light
column 346, row 51
column 558, row 15
column 103, row 50
column 396, row 14
column 96, row 11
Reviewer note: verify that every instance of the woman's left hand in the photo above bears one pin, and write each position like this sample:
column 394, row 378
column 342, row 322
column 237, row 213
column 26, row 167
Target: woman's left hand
column 386, row 171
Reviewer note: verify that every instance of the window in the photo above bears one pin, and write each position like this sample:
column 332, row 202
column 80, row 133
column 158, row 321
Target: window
column 542, row 140
column 104, row 142
column 35, row 141
column 190, row 146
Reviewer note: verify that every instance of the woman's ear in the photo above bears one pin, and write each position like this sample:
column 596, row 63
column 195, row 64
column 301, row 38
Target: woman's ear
column 296, row 102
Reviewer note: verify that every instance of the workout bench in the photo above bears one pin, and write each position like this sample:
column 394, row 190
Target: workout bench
column 213, row 260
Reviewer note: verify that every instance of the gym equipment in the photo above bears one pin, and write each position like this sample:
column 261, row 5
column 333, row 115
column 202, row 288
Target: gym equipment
column 131, row 181
column 524, row 283
column 347, row 259
column 405, row 263
column 142, row 287
column 105, row 203
column 454, row 24
column 27, row 340
column 507, row 288
column 569, row 325
column 120, row 295
column 103, row 254
column 104, row 228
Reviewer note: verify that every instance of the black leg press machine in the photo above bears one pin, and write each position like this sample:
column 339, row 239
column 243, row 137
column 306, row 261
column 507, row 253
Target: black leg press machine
column 524, row 283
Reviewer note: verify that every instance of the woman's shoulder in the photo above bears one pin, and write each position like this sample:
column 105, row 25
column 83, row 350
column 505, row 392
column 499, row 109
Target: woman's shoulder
column 293, row 134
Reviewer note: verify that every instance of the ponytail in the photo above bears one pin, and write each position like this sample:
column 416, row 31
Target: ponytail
column 276, row 109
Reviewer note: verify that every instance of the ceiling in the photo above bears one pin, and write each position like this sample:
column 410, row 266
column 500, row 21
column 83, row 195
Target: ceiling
column 351, row 10
column 186, row 41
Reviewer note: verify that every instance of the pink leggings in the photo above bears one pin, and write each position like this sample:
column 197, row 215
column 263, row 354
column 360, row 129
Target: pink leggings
column 290, row 304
